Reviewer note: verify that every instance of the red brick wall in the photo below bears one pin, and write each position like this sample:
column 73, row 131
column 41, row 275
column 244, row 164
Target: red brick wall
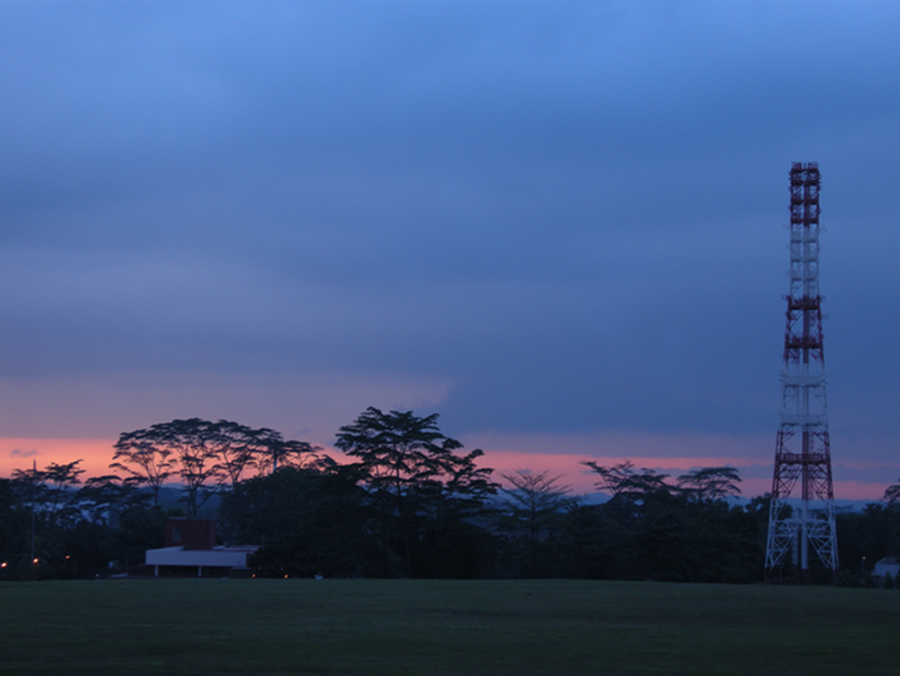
column 191, row 533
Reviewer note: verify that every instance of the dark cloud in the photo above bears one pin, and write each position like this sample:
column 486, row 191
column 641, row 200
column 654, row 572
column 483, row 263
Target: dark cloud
column 569, row 215
column 16, row 453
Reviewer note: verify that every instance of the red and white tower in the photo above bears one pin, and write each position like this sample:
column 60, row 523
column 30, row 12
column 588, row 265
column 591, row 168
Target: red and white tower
column 802, row 451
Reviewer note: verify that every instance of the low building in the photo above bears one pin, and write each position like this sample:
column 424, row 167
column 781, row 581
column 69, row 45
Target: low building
column 190, row 549
column 889, row 565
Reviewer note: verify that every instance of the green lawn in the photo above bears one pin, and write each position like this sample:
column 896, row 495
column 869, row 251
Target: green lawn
column 251, row 627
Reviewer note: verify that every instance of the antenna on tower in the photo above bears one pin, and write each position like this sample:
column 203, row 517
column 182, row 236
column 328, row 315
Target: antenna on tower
column 803, row 450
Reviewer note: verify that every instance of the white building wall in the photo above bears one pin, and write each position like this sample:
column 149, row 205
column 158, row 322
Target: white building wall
column 223, row 557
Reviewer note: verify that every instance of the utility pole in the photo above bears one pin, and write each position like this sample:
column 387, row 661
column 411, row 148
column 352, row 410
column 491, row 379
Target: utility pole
column 803, row 451
column 32, row 563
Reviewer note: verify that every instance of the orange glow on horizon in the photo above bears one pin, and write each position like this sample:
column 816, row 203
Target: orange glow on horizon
column 96, row 454
column 582, row 480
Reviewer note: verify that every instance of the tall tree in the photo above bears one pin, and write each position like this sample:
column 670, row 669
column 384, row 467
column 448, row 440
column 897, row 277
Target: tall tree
column 102, row 494
column 685, row 532
column 277, row 452
column 142, row 456
column 15, row 520
column 237, row 448
column 623, row 480
column 187, row 448
column 535, row 503
column 711, row 483
column 309, row 521
column 61, row 480
column 196, row 445
column 53, row 488
column 204, row 454
column 892, row 493
column 413, row 473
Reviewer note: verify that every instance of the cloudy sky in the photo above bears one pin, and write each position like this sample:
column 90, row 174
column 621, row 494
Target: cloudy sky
column 561, row 226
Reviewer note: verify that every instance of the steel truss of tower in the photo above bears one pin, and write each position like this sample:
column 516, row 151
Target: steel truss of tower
column 802, row 451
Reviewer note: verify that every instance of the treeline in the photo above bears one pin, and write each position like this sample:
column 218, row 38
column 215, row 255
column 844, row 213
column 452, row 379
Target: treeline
column 54, row 526
column 409, row 503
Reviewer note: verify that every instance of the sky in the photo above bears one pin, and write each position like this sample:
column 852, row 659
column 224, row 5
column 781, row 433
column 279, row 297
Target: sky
column 560, row 226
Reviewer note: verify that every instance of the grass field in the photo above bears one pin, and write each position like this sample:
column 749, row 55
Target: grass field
column 194, row 627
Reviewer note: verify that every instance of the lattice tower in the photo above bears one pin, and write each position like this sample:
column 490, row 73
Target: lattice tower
column 802, row 452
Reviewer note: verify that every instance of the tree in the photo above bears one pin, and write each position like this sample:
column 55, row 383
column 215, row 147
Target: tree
column 103, row 494
column 53, row 488
column 138, row 529
column 142, row 455
column 196, row 444
column 15, row 521
column 239, row 448
column 308, row 520
column 685, row 532
column 60, row 520
column 892, row 494
column 711, row 483
column 187, row 447
column 623, row 480
column 203, row 453
column 234, row 448
column 533, row 507
column 414, row 476
column 276, row 452
column 61, row 481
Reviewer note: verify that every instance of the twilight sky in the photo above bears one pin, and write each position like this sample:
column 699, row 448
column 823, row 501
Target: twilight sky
column 561, row 226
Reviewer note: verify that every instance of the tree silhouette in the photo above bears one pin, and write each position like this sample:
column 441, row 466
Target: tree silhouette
column 237, row 448
column 711, row 483
column 188, row 448
column 276, row 452
column 622, row 480
column 141, row 455
column 533, row 507
column 413, row 473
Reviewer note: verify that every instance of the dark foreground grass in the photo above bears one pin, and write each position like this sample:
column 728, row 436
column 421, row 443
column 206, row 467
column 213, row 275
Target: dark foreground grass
column 176, row 627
